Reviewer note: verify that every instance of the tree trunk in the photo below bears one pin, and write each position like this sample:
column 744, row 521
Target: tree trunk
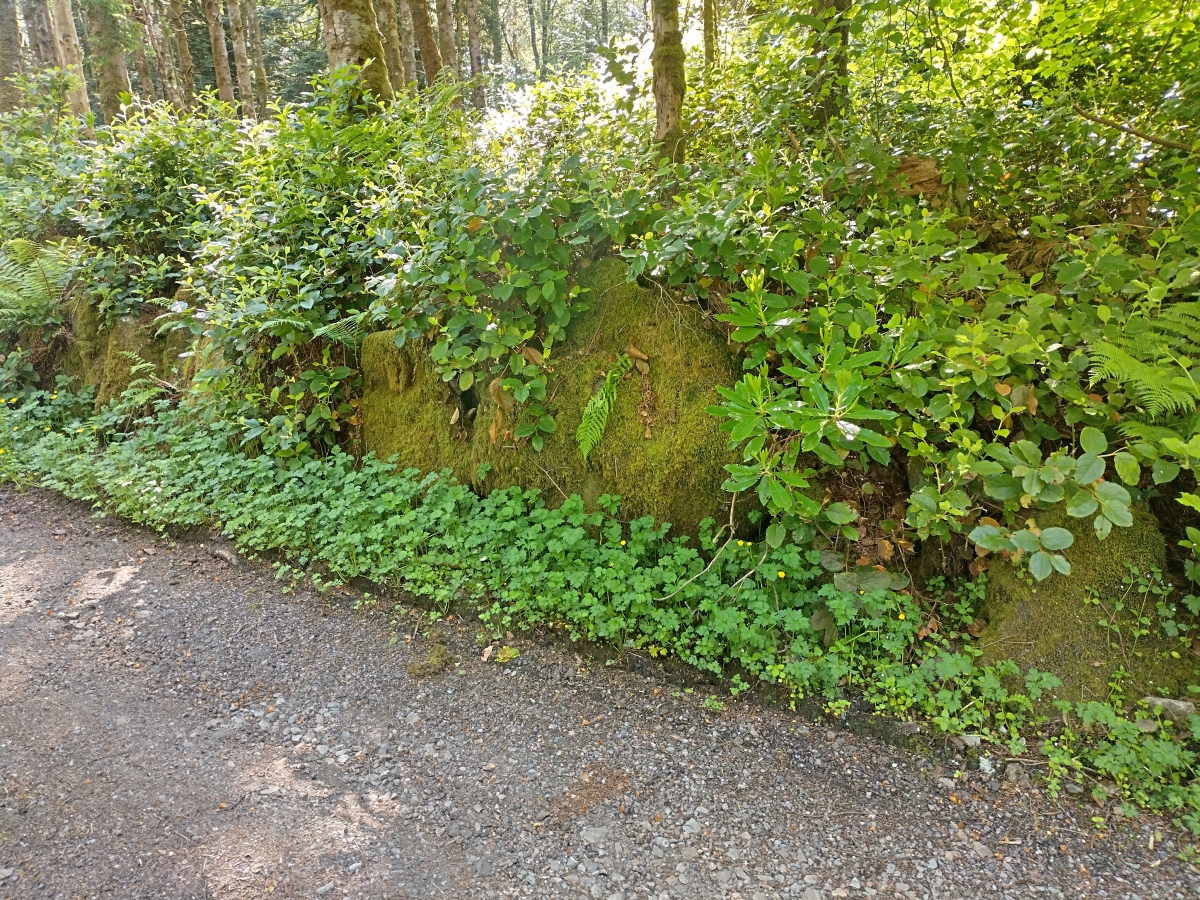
column 495, row 29
column 537, row 60
column 604, row 22
column 545, row 36
column 389, row 33
column 445, row 20
column 70, row 56
column 168, row 78
column 216, row 37
column 475, row 53
column 10, row 54
column 108, row 47
column 43, row 52
column 431, row 59
column 262, row 91
column 352, row 38
column 829, row 82
column 408, row 52
column 241, row 57
column 669, row 79
column 710, row 33
column 146, row 87
column 187, row 68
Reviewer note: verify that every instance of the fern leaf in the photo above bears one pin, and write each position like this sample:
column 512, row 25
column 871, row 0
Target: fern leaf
column 599, row 405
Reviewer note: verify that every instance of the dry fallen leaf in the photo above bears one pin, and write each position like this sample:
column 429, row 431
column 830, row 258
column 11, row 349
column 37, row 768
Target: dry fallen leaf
column 642, row 366
column 637, row 354
column 487, row 652
column 532, row 356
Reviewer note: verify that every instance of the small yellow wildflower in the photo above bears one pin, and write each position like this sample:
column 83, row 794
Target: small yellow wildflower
column 47, row 427
column 622, row 543
column 901, row 617
column 783, row 575
column 741, row 543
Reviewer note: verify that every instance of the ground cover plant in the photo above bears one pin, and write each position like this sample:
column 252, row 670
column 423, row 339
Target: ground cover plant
column 953, row 247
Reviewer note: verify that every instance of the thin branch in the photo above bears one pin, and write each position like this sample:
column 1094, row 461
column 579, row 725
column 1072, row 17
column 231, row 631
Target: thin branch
column 1127, row 129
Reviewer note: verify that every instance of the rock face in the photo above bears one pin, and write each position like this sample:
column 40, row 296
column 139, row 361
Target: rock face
column 1052, row 626
column 99, row 356
column 674, row 475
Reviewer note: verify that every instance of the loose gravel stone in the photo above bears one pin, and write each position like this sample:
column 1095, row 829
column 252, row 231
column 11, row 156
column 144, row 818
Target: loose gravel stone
column 238, row 741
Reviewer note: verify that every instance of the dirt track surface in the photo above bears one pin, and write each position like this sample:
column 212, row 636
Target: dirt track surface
column 172, row 725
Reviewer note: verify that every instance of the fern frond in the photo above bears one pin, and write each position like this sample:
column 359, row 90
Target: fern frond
column 1153, row 359
column 599, row 405
column 32, row 280
column 348, row 331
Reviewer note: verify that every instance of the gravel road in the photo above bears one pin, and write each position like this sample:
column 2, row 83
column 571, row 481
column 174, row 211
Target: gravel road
column 175, row 724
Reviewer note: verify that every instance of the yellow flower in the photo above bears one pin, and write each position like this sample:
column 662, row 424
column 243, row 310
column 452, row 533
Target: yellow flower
column 783, row 575
column 741, row 543
column 47, row 427
column 622, row 543
column 901, row 617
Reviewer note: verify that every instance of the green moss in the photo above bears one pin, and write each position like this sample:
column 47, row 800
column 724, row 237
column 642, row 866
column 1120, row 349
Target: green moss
column 674, row 475
column 1049, row 625
column 87, row 342
column 139, row 337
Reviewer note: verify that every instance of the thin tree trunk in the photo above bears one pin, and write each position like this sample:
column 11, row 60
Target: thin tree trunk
column 389, row 33
column 475, row 53
column 70, row 56
column 669, row 79
column 220, row 53
column 39, row 29
column 146, row 87
column 537, row 60
column 165, row 64
column 262, row 91
column 545, row 36
column 241, row 58
column 431, row 59
column 408, row 50
column 604, row 22
column 352, row 38
column 108, row 47
column 710, row 33
column 495, row 29
column 187, row 68
column 445, row 20
column 829, row 83
column 10, row 55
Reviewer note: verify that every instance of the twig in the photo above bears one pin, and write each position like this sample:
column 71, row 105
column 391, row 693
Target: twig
column 1128, row 129
column 716, row 556
column 552, row 481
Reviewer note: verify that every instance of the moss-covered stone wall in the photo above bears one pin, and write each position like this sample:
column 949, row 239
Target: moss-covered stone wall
column 661, row 451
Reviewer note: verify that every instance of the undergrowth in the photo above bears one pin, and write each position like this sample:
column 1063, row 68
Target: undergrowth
column 727, row 607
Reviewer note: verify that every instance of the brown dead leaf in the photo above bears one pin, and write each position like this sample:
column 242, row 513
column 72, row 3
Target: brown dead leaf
column 1003, row 389
column 532, row 356
column 978, row 567
column 646, row 434
column 977, row 627
column 456, row 415
column 502, row 398
column 633, row 351
column 930, row 627
column 474, row 224
column 496, row 427
column 886, row 549
column 642, row 366
column 487, row 652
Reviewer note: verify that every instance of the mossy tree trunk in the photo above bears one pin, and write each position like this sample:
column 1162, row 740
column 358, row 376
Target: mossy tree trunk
column 389, row 34
column 670, row 80
column 241, row 58
column 39, row 29
column 352, row 39
column 710, row 33
column 70, row 56
column 164, row 61
column 187, row 68
column 490, row 10
column 10, row 54
column 475, row 52
column 533, row 44
column 408, row 50
column 146, row 86
column 108, row 46
column 431, row 58
column 445, row 22
column 216, row 38
column 262, row 90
